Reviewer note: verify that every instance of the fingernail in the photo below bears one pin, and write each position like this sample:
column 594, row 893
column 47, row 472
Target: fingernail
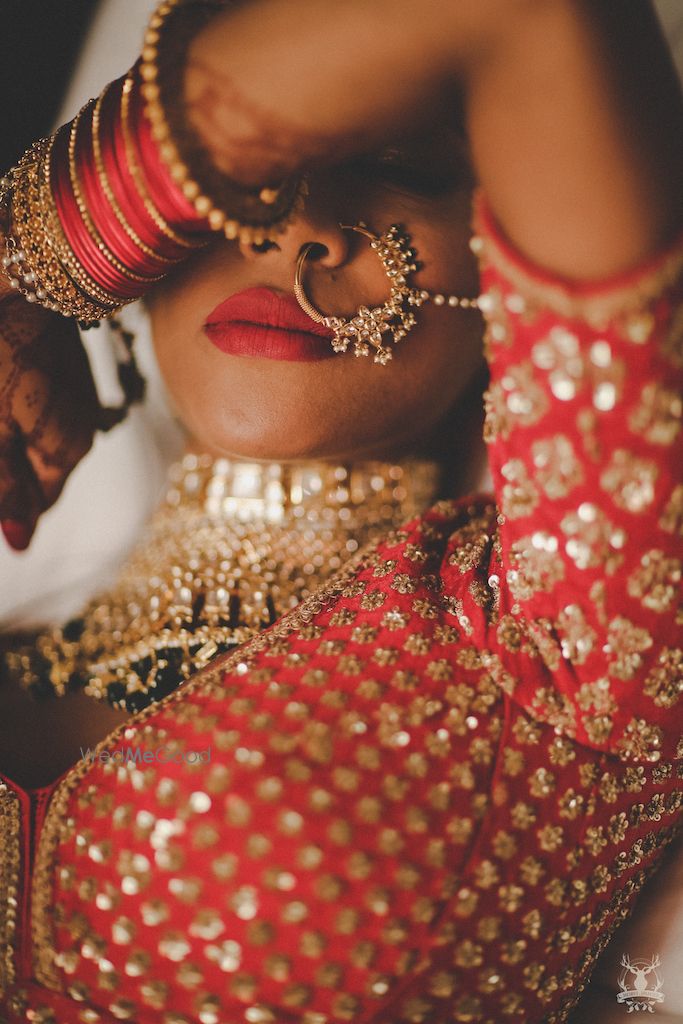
column 17, row 534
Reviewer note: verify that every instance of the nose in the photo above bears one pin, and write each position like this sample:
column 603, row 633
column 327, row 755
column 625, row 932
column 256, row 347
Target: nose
column 318, row 225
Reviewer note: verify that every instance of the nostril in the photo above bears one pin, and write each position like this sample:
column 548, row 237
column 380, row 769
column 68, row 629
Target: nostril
column 317, row 251
column 261, row 247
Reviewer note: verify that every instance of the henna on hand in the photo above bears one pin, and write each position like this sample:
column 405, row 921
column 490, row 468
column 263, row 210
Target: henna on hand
column 271, row 92
column 48, row 411
column 247, row 142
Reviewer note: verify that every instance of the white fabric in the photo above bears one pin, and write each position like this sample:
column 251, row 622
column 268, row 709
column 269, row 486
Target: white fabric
column 81, row 542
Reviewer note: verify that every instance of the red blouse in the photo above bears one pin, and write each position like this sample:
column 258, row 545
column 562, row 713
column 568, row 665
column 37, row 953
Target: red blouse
column 433, row 791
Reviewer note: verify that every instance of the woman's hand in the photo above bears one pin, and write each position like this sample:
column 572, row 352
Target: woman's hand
column 49, row 410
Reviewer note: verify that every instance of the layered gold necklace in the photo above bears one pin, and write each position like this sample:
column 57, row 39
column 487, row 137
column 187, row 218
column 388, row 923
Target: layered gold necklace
column 233, row 546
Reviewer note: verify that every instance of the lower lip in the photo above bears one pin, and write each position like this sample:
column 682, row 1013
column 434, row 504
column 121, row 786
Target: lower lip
column 261, row 341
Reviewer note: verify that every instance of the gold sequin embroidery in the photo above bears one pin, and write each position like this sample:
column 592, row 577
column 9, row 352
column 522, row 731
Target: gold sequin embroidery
column 10, row 861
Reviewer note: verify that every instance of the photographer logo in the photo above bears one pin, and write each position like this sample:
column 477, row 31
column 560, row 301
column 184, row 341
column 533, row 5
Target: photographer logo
column 640, row 984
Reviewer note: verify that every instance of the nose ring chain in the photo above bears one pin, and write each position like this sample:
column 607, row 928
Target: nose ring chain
column 367, row 330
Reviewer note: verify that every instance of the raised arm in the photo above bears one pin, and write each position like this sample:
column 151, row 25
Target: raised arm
column 574, row 111
column 575, row 121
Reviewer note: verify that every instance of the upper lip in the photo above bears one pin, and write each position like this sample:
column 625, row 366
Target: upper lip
column 269, row 308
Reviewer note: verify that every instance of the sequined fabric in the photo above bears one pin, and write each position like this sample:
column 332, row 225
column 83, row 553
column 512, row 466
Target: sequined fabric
column 435, row 787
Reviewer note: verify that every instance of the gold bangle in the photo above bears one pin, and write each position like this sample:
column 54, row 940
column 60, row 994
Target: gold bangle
column 108, row 191
column 16, row 264
column 59, row 244
column 85, row 212
column 253, row 215
column 51, row 284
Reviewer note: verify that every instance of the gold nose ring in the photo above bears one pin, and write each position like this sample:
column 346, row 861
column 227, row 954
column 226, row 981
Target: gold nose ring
column 299, row 292
column 366, row 330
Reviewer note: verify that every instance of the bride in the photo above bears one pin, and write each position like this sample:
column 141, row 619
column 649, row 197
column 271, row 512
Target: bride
column 256, row 380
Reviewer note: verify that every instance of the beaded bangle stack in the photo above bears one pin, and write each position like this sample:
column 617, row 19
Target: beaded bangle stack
column 104, row 208
column 85, row 236
column 38, row 262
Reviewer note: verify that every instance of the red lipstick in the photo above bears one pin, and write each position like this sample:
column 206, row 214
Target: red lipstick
column 264, row 324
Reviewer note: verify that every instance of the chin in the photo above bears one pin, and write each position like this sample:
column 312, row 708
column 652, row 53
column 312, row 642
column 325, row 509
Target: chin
column 278, row 449
column 291, row 439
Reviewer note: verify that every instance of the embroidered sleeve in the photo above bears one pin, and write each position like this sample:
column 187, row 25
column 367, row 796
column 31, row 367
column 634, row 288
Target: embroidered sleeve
column 583, row 423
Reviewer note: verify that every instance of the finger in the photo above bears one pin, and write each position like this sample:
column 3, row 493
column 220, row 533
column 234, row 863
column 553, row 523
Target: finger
column 22, row 499
column 17, row 534
column 59, row 438
column 52, row 466
column 54, row 403
column 54, row 372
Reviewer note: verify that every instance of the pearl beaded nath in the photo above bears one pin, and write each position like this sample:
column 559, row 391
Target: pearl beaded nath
column 451, row 300
column 395, row 317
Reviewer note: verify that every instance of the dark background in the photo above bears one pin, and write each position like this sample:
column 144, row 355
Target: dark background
column 39, row 42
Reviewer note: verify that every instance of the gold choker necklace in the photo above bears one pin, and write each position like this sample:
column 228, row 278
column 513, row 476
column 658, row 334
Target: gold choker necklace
column 233, row 546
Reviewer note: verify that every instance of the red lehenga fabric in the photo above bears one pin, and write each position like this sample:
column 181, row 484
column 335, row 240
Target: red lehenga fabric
column 436, row 787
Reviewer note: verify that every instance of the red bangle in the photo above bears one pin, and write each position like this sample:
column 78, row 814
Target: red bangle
column 130, row 157
column 108, row 135
column 172, row 203
column 124, row 192
column 125, row 214
column 102, row 187
column 67, row 210
column 114, row 238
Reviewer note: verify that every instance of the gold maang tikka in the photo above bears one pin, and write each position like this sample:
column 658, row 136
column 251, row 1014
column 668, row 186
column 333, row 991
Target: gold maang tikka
column 396, row 317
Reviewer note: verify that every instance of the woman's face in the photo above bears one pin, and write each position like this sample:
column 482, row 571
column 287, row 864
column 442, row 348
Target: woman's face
column 253, row 401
